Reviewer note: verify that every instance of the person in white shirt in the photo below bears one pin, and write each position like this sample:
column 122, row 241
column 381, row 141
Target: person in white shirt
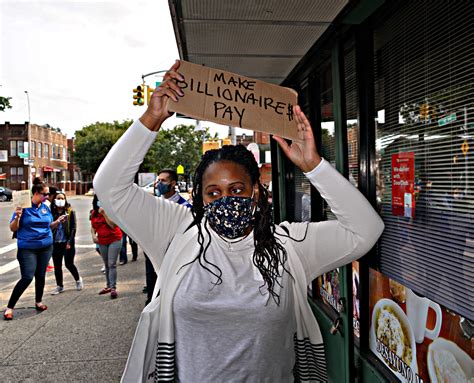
column 231, row 296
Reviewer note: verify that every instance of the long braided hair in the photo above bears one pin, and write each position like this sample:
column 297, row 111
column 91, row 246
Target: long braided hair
column 269, row 255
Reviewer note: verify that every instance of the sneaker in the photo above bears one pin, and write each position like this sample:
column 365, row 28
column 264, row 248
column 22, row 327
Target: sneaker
column 113, row 294
column 57, row 290
column 49, row 268
column 123, row 263
column 79, row 284
column 103, row 269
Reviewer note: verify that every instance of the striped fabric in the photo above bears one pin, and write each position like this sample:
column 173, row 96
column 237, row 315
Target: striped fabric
column 310, row 362
column 164, row 362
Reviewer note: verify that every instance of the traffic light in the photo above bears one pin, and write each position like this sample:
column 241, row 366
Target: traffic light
column 139, row 95
column 149, row 92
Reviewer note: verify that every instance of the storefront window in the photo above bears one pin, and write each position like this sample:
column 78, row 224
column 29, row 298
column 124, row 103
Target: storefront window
column 421, row 293
column 328, row 285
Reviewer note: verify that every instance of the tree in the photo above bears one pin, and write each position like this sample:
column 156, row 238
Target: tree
column 181, row 145
column 94, row 141
column 5, row 103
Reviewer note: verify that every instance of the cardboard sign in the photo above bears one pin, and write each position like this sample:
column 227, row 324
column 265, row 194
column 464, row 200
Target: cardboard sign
column 22, row 199
column 230, row 99
column 403, row 184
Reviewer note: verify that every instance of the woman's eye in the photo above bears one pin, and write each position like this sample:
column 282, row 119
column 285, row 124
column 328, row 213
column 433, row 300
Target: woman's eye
column 237, row 190
column 213, row 193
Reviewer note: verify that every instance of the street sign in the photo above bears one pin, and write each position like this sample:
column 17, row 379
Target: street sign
column 23, row 155
column 446, row 120
column 180, row 169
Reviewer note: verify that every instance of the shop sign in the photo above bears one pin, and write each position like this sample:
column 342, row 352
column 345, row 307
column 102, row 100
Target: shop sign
column 416, row 338
column 465, row 148
column 403, row 184
column 446, row 120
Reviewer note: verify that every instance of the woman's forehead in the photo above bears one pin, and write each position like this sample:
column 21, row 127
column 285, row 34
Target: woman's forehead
column 225, row 172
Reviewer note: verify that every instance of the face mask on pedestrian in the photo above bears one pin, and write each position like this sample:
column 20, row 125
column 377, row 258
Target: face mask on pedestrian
column 230, row 216
column 162, row 188
column 60, row 202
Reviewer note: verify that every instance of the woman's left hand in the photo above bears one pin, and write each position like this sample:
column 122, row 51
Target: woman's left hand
column 303, row 153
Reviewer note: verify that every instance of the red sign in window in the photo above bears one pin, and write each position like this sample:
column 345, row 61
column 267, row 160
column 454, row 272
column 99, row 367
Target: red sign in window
column 403, row 184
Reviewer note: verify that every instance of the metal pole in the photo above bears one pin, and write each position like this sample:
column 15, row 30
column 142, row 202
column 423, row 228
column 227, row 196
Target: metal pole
column 28, row 139
column 28, row 99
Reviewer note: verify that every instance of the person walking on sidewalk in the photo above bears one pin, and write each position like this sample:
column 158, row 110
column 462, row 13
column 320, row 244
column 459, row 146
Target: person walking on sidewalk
column 231, row 296
column 33, row 227
column 123, row 250
column 109, row 238
column 64, row 242
column 165, row 187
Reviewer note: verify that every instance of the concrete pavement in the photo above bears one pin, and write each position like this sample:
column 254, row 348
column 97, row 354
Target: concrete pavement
column 82, row 337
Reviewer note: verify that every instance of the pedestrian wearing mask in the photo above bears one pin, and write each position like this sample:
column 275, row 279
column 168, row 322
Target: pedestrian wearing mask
column 231, row 296
column 64, row 243
column 33, row 227
column 109, row 238
column 165, row 187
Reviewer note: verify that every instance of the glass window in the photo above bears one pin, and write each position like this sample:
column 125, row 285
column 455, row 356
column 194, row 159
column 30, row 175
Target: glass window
column 13, row 175
column 13, row 149
column 40, row 149
column 20, row 147
column 33, row 149
column 46, row 151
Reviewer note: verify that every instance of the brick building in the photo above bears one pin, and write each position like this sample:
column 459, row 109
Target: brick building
column 29, row 150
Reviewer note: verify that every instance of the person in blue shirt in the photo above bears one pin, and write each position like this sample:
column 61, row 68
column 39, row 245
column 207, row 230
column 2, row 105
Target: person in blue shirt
column 33, row 227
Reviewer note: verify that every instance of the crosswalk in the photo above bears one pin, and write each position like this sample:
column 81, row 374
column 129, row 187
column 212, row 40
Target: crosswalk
column 14, row 264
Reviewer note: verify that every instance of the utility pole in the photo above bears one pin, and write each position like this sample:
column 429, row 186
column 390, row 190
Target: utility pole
column 28, row 140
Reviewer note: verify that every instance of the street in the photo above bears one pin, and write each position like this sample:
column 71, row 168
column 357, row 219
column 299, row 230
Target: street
column 82, row 337
column 9, row 268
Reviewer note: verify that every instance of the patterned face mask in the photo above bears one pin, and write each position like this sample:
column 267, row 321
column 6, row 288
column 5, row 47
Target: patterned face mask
column 230, row 216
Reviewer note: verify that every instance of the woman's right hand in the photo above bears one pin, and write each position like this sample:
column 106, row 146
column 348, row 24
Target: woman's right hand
column 157, row 111
column 18, row 212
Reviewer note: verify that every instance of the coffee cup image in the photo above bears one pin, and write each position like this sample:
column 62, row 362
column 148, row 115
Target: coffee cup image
column 417, row 312
column 392, row 339
column 447, row 362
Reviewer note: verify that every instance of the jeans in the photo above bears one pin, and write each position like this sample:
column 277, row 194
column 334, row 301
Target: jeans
column 33, row 263
column 60, row 251
column 109, row 255
column 123, row 250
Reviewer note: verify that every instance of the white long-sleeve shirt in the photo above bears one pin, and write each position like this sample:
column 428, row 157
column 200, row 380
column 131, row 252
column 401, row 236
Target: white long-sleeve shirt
column 160, row 228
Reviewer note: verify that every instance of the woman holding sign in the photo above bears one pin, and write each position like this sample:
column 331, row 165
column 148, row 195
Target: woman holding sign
column 230, row 302
column 33, row 227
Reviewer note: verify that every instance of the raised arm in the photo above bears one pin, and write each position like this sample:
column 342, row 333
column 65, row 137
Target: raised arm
column 330, row 244
column 150, row 221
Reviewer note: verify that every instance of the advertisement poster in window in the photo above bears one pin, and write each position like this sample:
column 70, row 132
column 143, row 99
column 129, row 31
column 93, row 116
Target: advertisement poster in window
column 416, row 338
column 355, row 298
column 329, row 289
column 403, row 184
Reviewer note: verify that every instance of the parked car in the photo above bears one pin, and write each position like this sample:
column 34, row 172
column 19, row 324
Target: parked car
column 5, row 194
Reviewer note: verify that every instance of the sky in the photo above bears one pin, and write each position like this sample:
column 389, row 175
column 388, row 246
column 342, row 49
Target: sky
column 79, row 60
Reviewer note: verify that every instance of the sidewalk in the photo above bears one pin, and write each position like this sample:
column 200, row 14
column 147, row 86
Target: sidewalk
column 82, row 337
